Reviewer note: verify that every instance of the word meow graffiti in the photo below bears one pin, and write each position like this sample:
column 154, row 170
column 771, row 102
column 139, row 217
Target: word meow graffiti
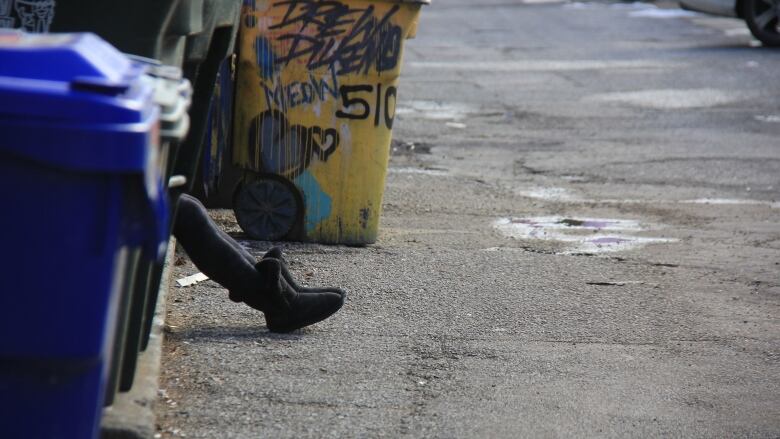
column 295, row 93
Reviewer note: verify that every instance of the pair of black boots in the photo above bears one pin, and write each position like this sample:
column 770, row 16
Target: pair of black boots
column 287, row 306
column 266, row 286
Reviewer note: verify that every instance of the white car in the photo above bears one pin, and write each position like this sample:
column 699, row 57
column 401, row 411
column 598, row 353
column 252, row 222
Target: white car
column 761, row 16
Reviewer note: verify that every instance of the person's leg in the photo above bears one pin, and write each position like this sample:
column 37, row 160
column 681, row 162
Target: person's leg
column 215, row 253
column 276, row 253
column 262, row 286
column 233, row 243
column 200, row 231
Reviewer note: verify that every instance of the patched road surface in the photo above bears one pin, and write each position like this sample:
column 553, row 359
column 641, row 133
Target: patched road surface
column 580, row 238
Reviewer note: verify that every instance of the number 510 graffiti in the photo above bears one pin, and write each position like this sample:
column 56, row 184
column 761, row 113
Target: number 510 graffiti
column 359, row 108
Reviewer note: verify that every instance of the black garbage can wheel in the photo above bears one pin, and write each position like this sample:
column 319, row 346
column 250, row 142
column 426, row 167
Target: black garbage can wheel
column 267, row 208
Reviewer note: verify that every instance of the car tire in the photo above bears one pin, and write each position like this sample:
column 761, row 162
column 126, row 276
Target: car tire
column 763, row 19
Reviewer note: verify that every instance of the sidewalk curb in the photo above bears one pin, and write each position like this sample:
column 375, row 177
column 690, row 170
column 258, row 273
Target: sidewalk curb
column 132, row 414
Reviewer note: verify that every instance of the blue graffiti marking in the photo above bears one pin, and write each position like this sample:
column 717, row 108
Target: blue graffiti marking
column 266, row 58
column 318, row 203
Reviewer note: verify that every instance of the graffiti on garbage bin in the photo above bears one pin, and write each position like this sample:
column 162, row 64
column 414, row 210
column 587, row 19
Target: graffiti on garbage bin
column 279, row 147
column 316, row 92
column 356, row 107
column 338, row 38
column 33, row 15
column 333, row 34
column 293, row 94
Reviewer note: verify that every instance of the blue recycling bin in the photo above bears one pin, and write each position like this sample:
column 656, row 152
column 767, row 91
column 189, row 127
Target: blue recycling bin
column 81, row 199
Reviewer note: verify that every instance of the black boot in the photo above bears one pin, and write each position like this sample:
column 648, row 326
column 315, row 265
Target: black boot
column 276, row 253
column 284, row 308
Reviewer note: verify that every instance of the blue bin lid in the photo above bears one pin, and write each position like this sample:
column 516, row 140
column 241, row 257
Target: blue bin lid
column 74, row 101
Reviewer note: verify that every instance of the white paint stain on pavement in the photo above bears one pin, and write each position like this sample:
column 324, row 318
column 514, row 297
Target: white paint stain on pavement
column 621, row 5
column 584, row 235
column 737, row 32
column 669, row 99
column 637, row 9
column 549, row 194
column 559, row 194
column 768, row 118
column 632, row 5
column 540, row 65
column 422, row 171
column 579, row 5
column 436, row 110
column 542, row 2
column 655, row 12
column 732, row 202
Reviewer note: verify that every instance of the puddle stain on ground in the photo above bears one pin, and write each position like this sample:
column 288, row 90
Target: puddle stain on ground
column 590, row 224
column 558, row 194
column 585, row 235
column 669, row 99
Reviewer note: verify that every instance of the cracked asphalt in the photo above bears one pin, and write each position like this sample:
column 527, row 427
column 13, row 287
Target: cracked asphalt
column 580, row 238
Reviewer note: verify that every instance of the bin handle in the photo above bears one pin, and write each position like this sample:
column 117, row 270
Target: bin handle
column 157, row 198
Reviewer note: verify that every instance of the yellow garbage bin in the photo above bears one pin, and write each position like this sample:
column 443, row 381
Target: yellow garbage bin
column 316, row 92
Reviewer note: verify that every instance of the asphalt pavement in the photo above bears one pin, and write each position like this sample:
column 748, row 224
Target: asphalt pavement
column 580, row 238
